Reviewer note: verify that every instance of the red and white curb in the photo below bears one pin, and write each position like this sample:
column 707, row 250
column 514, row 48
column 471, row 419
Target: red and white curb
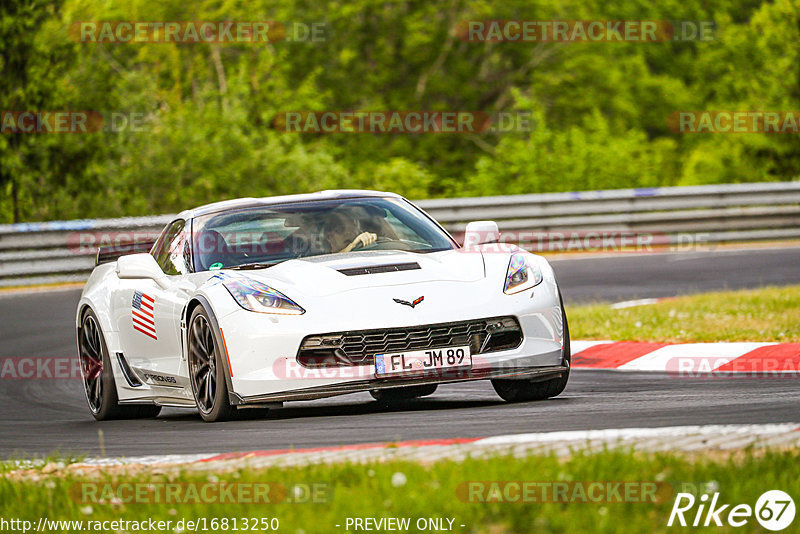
column 689, row 359
column 678, row 438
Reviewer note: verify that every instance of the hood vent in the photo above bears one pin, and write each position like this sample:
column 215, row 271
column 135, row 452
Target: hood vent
column 375, row 269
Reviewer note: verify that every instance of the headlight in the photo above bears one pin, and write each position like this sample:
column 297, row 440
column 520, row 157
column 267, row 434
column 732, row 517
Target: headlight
column 521, row 275
column 258, row 297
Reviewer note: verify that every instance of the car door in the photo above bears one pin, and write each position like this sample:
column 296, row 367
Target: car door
column 149, row 315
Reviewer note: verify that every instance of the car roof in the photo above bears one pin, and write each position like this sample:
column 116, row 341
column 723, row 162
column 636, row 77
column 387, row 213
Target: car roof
column 331, row 194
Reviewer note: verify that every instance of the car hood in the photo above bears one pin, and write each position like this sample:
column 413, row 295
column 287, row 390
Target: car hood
column 322, row 276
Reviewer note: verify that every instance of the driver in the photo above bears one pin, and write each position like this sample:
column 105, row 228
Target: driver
column 339, row 231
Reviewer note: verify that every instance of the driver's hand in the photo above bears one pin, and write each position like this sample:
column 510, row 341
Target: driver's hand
column 363, row 240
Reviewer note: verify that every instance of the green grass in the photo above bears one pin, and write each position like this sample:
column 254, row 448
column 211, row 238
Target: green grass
column 771, row 314
column 432, row 490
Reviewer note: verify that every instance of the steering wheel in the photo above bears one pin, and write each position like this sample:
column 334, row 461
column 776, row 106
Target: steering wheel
column 382, row 241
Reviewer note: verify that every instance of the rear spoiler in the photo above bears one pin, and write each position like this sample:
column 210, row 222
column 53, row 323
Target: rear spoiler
column 114, row 252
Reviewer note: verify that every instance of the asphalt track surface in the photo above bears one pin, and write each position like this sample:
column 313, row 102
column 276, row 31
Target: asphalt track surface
column 39, row 417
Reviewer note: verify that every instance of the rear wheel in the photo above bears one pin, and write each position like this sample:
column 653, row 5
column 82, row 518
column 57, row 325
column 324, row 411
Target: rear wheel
column 531, row 390
column 98, row 376
column 207, row 370
column 403, row 393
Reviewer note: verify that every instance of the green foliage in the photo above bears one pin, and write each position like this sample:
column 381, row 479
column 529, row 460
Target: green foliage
column 207, row 133
column 584, row 157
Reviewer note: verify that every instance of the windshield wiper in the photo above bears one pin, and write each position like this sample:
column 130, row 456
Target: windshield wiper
column 254, row 265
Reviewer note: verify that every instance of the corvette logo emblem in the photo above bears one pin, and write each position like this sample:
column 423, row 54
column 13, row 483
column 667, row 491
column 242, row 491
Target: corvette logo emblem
column 411, row 304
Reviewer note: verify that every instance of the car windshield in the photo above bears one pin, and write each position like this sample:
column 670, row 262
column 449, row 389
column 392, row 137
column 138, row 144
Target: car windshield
column 255, row 237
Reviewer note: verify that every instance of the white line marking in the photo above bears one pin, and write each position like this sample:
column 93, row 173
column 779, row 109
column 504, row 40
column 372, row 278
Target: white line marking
column 704, row 357
column 149, row 460
column 633, row 303
column 633, row 433
column 662, row 438
column 580, row 346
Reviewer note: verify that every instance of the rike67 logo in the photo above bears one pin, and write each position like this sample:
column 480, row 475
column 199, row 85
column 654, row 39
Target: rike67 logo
column 774, row 510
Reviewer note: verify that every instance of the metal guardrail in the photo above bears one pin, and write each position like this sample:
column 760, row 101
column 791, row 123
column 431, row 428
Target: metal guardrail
column 33, row 253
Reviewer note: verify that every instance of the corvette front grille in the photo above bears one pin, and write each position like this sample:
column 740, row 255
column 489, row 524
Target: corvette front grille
column 360, row 347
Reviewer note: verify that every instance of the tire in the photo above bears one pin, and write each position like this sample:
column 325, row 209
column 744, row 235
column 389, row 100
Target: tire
column 532, row 390
column 207, row 369
column 403, row 393
column 98, row 376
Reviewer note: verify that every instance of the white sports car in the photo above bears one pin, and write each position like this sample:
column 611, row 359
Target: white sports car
column 244, row 304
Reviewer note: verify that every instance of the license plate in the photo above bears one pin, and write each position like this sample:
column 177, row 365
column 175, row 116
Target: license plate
column 420, row 361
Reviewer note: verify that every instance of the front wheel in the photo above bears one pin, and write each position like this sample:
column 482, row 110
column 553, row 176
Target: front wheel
column 531, row 390
column 207, row 369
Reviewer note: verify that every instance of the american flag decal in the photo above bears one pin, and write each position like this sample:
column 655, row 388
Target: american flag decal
column 142, row 314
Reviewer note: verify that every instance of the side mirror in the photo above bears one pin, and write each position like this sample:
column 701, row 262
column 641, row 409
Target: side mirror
column 140, row 266
column 480, row 232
